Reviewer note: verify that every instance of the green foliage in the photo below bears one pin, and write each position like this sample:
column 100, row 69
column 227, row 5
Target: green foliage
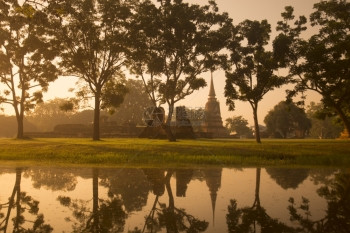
column 320, row 63
column 287, row 120
column 239, row 125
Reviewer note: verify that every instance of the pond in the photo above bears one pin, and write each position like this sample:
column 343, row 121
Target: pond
column 48, row 199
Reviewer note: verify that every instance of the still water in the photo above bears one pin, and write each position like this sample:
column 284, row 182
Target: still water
column 46, row 199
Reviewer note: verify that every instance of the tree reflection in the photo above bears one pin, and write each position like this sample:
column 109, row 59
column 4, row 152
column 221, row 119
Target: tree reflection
column 288, row 178
column 254, row 218
column 53, row 179
column 21, row 203
column 130, row 183
column 337, row 219
column 170, row 217
column 105, row 216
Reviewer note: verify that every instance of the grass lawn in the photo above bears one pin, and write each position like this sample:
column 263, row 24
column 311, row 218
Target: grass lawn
column 201, row 152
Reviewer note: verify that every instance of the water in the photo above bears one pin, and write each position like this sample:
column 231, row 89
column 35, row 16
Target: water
column 174, row 200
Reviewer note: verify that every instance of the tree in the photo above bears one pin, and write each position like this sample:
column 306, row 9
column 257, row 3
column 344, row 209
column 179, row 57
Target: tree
column 250, row 68
column 27, row 54
column 324, row 124
column 287, row 119
column 94, row 41
column 134, row 105
column 239, row 125
column 48, row 114
column 320, row 63
column 174, row 43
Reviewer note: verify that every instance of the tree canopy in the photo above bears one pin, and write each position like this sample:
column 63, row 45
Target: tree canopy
column 320, row 63
column 250, row 68
column 27, row 54
column 287, row 120
column 239, row 125
column 174, row 43
column 94, row 42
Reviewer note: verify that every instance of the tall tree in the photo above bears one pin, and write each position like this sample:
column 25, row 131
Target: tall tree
column 250, row 69
column 287, row 119
column 175, row 42
column 320, row 63
column 94, row 41
column 27, row 52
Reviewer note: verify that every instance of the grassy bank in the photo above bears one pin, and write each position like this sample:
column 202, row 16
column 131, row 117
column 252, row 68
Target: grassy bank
column 181, row 153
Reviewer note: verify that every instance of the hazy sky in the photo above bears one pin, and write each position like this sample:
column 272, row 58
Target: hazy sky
column 238, row 10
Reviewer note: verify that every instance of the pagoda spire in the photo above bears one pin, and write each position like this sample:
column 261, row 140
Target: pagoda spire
column 212, row 90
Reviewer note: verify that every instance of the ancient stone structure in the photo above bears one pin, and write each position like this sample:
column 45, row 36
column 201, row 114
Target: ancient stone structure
column 212, row 124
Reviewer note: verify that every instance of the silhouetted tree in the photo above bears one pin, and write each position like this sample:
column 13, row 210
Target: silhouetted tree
column 320, row 63
column 94, row 42
column 174, row 43
column 250, row 69
column 287, row 119
column 26, row 56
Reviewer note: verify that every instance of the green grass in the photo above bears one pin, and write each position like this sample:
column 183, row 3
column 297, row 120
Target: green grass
column 134, row 152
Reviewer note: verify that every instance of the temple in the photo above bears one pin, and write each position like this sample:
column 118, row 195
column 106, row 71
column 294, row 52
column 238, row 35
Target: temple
column 213, row 124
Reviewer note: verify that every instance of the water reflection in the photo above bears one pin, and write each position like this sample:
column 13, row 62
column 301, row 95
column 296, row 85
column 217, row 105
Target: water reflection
column 168, row 216
column 22, row 209
column 174, row 200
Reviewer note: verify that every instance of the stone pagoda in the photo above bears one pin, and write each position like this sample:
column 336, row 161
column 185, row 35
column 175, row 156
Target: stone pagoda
column 212, row 124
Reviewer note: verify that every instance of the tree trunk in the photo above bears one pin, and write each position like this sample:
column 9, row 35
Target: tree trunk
column 256, row 124
column 20, row 128
column 95, row 223
column 257, row 188
column 18, row 200
column 167, row 126
column 171, row 225
column 96, row 129
column 344, row 118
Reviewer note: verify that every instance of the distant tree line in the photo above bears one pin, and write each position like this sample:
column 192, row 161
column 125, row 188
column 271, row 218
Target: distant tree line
column 287, row 120
column 168, row 44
